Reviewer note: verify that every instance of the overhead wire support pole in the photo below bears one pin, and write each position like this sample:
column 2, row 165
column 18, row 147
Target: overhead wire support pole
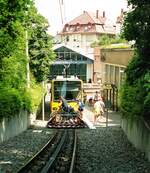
column 61, row 13
column 27, row 66
column 27, row 56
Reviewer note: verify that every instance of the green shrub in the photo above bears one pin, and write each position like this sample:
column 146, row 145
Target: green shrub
column 26, row 100
column 12, row 101
column 147, row 96
column 36, row 96
column 131, row 100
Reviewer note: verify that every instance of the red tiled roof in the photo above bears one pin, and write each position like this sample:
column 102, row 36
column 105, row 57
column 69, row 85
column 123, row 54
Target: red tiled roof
column 84, row 18
column 97, row 20
column 87, row 17
column 120, row 18
column 93, row 21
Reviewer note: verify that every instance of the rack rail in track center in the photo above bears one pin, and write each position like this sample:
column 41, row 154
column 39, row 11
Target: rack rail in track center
column 66, row 120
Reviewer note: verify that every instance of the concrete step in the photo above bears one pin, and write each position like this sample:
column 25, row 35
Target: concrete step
column 96, row 88
column 91, row 85
column 91, row 88
column 91, row 91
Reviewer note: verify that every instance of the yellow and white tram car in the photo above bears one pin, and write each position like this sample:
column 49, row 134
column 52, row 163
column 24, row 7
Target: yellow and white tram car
column 70, row 88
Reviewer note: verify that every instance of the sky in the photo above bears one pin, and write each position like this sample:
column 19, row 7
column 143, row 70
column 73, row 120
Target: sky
column 50, row 9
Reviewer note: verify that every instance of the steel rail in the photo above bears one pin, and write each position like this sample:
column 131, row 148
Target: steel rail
column 25, row 168
column 50, row 162
column 74, row 153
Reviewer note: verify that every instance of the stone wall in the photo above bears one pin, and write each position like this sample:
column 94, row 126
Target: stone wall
column 138, row 134
column 117, row 56
column 10, row 127
column 114, row 57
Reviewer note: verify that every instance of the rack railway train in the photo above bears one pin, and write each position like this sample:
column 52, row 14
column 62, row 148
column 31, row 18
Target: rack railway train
column 66, row 93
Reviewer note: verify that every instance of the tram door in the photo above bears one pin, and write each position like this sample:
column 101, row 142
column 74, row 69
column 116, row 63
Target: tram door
column 110, row 95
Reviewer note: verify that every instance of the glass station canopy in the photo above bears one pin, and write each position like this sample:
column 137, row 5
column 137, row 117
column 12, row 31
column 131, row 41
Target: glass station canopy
column 75, row 63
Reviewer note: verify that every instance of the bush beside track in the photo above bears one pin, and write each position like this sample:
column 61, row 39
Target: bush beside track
column 13, row 100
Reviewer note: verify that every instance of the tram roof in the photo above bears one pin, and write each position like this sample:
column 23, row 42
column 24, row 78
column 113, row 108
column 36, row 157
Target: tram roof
column 81, row 51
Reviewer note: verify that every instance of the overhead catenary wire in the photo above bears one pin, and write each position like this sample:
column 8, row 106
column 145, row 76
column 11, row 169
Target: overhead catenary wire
column 61, row 12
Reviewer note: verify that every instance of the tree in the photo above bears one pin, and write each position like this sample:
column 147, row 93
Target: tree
column 12, row 39
column 13, row 95
column 40, row 45
column 137, row 27
column 15, row 16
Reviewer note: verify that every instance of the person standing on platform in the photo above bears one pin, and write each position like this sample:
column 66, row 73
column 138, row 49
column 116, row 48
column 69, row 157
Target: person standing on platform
column 80, row 108
column 84, row 97
column 97, row 96
column 98, row 109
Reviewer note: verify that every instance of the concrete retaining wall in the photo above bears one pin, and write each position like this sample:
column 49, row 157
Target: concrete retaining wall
column 138, row 134
column 13, row 126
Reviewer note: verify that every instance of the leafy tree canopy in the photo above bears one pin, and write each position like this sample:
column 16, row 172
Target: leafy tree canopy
column 12, row 42
column 12, row 16
column 137, row 27
column 17, row 16
column 137, row 85
column 40, row 45
column 106, row 40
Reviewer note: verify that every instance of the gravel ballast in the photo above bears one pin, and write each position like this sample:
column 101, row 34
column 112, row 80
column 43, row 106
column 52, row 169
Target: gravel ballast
column 18, row 150
column 107, row 150
column 103, row 150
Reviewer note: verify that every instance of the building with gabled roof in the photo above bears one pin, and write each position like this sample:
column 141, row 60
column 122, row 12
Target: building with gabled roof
column 85, row 29
column 76, row 52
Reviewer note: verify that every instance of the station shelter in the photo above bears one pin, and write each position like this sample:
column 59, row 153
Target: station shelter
column 71, row 61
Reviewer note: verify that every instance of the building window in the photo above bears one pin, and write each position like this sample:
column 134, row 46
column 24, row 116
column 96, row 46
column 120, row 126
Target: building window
column 117, row 76
column 114, row 74
column 111, row 74
column 67, row 38
column 122, row 75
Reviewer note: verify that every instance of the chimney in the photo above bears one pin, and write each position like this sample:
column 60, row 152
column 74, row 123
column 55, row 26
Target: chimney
column 104, row 14
column 97, row 14
column 122, row 11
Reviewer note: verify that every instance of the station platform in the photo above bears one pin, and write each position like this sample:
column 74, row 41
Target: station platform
column 114, row 118
column 109, row 118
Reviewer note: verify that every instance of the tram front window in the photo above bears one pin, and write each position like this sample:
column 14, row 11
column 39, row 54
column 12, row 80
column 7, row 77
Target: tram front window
column 69, row 90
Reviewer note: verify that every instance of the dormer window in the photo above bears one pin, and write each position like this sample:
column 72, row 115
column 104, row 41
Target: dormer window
column 67, row 28
column 89, row 26
column 86, row 28
column 77, row 26
column 71, row 28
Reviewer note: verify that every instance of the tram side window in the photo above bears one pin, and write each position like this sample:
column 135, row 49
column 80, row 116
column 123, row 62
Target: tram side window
column 57, row 93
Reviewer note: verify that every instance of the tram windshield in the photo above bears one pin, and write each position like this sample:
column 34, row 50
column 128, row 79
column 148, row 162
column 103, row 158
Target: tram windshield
column 69, row 90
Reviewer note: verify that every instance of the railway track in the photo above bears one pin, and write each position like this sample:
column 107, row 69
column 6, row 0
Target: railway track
column 58, row 155
column 69, row 121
